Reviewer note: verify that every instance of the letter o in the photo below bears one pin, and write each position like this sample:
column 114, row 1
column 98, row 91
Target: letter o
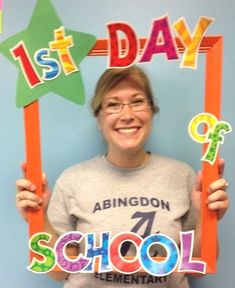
column 159, row 268
column 118, row 262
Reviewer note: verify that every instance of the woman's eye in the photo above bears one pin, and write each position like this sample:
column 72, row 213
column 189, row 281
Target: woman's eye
column 113, row 105
column 138, row 101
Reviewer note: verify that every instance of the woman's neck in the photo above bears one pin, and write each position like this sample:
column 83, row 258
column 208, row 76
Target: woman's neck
column 128, row 160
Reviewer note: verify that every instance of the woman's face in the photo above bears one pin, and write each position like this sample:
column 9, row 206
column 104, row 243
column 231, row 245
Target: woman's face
column 126, row 130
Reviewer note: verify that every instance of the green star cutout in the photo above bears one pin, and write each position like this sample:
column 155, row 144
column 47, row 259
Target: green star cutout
column 37, row 36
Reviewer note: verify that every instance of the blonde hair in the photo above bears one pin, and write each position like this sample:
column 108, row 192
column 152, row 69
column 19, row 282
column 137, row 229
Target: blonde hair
column 112, row 77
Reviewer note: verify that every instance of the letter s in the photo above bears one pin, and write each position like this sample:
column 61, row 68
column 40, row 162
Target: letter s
column 35, row 245
column 53, row 67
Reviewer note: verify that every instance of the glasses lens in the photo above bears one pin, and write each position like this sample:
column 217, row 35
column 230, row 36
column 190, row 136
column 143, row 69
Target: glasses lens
column 112, row 107
column 138, row 104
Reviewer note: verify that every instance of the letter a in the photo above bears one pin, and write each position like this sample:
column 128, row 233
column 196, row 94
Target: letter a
column 157, row 44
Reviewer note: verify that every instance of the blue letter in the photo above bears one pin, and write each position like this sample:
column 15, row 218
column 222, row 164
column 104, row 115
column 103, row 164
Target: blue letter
column 53, row 67
column 102, row 251
column 159, row 268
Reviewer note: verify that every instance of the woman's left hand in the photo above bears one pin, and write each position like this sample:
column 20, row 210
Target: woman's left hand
column 217, row 198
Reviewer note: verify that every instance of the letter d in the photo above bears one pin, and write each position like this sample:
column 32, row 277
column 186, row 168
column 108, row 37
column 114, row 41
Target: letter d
column 117, row 58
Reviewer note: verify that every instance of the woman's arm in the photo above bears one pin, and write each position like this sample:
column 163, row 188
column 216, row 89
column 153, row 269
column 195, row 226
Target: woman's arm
column 217, row 200
column 25, row 199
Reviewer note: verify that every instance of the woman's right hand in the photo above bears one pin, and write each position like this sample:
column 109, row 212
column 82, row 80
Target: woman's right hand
column 26, row 197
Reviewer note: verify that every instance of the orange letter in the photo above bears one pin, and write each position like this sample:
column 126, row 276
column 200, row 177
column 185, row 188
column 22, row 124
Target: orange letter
column 191, row 43
column 61, row 44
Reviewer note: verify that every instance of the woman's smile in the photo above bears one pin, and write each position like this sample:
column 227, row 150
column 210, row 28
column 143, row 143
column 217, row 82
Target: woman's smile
column 127, row 130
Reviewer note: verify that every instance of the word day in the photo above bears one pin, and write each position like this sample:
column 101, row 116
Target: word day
column 160, row 41
column 110, row 258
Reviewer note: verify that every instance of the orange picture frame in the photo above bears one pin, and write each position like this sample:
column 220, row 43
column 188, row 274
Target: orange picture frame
column 212, row 46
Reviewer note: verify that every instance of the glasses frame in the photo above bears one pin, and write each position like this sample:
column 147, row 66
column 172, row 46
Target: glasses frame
column 130, row 104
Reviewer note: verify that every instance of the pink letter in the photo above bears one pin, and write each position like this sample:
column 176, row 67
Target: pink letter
column 160, row 41
column 65, row 263
column 186, row 262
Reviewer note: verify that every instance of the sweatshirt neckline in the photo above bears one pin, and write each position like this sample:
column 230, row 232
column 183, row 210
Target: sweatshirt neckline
column 128, row 170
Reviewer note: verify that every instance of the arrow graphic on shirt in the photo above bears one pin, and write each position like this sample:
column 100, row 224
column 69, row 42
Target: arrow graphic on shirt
column 145, row 217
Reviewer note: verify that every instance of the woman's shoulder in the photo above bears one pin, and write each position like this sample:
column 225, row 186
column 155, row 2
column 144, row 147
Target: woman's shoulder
column 171, row 164
column 81, row 168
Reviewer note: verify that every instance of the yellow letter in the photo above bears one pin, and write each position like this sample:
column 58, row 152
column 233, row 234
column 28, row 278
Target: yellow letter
column 191, row 44
column 61, row 44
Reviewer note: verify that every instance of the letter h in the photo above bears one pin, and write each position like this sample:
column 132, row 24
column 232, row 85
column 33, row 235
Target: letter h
column 101, row 251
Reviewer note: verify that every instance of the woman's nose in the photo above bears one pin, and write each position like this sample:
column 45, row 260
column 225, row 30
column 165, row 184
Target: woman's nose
column 127, row 112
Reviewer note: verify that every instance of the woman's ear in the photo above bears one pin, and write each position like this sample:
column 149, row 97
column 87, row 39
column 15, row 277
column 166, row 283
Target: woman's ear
column 98, row 121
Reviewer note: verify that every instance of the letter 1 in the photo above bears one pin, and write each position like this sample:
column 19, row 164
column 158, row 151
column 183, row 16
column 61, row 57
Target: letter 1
column 20, row 53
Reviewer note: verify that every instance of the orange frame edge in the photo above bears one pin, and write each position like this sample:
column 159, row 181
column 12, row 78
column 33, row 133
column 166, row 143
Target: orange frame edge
column 212, row 46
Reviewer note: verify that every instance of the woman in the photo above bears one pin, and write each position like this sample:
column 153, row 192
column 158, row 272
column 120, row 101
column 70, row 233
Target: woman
column 128, row 188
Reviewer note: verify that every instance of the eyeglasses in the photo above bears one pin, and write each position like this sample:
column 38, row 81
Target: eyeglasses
column 115, row 107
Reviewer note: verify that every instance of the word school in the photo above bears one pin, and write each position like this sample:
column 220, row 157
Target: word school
column 110, row 258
